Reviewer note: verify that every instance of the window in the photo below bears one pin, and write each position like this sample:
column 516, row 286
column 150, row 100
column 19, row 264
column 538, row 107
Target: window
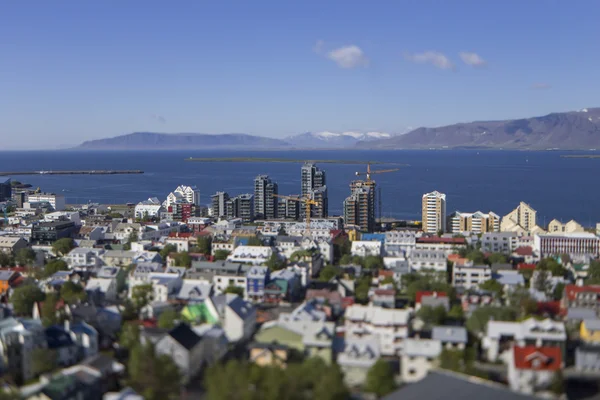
column 412, row 371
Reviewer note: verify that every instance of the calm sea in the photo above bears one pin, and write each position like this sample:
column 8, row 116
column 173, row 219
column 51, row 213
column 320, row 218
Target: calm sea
column 556, row 187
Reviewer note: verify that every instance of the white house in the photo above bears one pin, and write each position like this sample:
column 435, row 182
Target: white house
column 165, row 285
column 106, row 286
column 57, row 201
column 399, row 243
column 237, row 316
column 392, row 325
column 85, row 257
column 358, row 356
column 363, row 248
column 141, row 274
column 18, row 340
column 181, row 243
column 418, row 357
column 72, row 216
column 148, row 208
column 254, row 255
column 501, row 334
column 470, row 276
column 435, row 260
column 195, row 290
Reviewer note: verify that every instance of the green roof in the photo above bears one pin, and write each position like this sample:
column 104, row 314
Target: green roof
column 199, row 313
column 579, row 267
column 60, row 386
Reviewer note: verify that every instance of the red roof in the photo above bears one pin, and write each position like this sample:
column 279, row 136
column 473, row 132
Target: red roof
column 573, row 290
column 538, row 358
column 524, row 251
column 386, row 273
column 420, row 295
column 526, row 266
column 186, row 235
column 442, row 240
column 385, row 292
column 550, row 307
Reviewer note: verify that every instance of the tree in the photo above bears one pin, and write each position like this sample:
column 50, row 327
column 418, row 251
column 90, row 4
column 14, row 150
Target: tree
column 63, row 246
column 432, row 315
column 346, row 259
column 479, row 318
column 558, row 291
column 426, row 281
column 72, row 293
column 153, row 376
column 542, row 282
column 235, row 290
column 329, row 272
column 129, row 335
column 221, row 255
column 476, row 256
column 167, row 319
column 373, row 262
column 25, row 256
column 133, row 237
column 361, row 291
column 496, row 258
column 593, row 273
column 380, row 379
column 557, row 386
column 551, row 265
column 6, row 259
column 456, row 313
column 54, row 266
column 166, row 250
column 204, row 244
column 254, row 241
column 43, row 360
column 142, row 295
column 24, row 297
column 492, row 285
column 183, row 259
column 330, row 385
column 275, row 263
column 49, row 317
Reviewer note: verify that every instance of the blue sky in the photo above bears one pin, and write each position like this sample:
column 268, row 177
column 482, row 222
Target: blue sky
column 77, row 70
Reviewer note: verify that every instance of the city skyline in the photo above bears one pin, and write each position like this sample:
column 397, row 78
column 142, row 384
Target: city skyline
column 79, row 71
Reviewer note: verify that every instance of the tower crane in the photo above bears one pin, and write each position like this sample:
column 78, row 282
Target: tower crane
column 308, row 201
column 371, row 182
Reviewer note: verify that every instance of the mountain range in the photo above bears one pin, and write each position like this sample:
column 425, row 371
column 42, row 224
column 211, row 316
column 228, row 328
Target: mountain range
column 565, row 130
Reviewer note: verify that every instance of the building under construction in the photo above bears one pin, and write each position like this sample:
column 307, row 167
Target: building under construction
column 359, row 207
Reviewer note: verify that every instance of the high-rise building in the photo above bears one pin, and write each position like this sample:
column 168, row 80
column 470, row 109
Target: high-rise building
column 183, row 194
column 522, row 219
column 246, row 207
column 288, row 209
column 232, row 208
column 219, row 201
column 359, row 207
column 5, row 190
column 313, row 185
column 265, row 203
column 434, row 212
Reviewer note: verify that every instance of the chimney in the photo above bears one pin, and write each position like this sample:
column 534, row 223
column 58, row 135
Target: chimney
column 67, row 325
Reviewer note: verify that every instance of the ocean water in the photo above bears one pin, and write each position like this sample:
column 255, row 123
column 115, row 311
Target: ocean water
column 556, row 187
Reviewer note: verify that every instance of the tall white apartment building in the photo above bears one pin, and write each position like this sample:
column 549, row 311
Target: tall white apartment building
column 183, row 194
column 57, row 201
column 434, row 212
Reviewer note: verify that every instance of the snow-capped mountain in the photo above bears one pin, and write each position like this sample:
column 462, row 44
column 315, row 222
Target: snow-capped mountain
column 328, row 139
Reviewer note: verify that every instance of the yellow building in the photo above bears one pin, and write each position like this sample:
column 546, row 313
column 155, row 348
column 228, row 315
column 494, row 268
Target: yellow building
column 555, row 226
column 476, row 222
column 522, row 219
column 589, row 331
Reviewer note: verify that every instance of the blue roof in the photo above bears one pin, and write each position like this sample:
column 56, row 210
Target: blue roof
column 82, row 327
column 243, row 241
column 57, row 337
column 373, row 237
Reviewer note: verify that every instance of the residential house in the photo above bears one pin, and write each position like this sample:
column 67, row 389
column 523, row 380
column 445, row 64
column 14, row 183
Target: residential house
column 269, row 354
column 417, row 357
column 431, row 299
column 236, row 316
column 501, row 335
column 357, row 358
column 19, row 338
column 284, row 285
column 105, row 320
column 102, row 289
column 12, row 244
column 451, row 337
column 141, row 274
column 587, row 296
column 59, row 340
column 221, row 273
column 256, row 281
column 110, row 371
column 499, row 242
column 391, row 325
column 526, row 254
column 254, row 255
column 531, row 369
column 363, row 248
column 470, row 276
column 115, row 273
column 8, row 279
column 311, row 338
column 399, row 243
column 128, row 257
column 331, row 299
column 165, row 285
column 587, row 358
column 434, row 260
column 148, row 208
column 195, row 290
column 589, row 331
column 383, row 297
column 310, row 310
column 85, row 257
column 85, row 338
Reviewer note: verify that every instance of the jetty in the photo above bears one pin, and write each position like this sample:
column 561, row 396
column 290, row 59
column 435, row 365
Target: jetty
column 285, row 160
column 73, row 172
column 580, row 156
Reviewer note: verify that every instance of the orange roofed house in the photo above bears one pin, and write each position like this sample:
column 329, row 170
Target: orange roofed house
column 532, row 369
column 581, row 296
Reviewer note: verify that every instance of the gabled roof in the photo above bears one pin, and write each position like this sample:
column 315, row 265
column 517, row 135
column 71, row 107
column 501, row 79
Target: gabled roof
column 422, row 347
column 573, row 290
column 420, row 295
column 537, row 358
column 592, row 324
column 524, row 251
column 185, row 336
column 449, row 334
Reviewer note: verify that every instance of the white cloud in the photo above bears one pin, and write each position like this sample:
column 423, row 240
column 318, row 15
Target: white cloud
column 348, row 57
column 472, row 59
column 434, row 58
column 319, row 46
column 159, row 118
column 540, row 86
